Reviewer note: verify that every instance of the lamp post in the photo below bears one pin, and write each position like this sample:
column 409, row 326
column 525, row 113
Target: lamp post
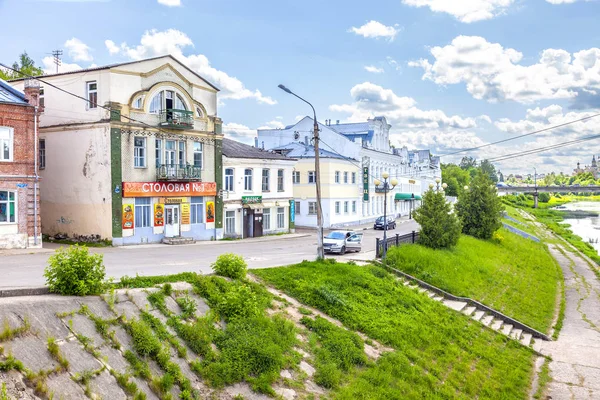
column 386, row 187
column 320, row 252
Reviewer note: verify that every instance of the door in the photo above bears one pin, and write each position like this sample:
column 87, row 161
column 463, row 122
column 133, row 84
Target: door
column 170, row 159
column 353, row 243
column 171, row 220
column 248, row 222
column 258, row 224
column 169, row 105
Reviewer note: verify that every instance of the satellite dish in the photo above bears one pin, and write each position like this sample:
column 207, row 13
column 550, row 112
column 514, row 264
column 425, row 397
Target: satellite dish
column 296, row 135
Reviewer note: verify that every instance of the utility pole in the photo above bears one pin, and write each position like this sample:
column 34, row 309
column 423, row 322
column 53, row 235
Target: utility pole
column 57, row 61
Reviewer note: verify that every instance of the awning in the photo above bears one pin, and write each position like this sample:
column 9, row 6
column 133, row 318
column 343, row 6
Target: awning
column 254, row 206
column 406, row 196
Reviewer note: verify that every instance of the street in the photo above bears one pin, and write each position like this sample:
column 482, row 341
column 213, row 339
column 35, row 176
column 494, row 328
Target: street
column 26, row 270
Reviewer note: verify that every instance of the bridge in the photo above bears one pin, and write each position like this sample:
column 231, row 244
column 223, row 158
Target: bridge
column 535, row 190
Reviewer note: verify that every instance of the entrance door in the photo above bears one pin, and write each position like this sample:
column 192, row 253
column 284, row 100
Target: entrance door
column 248, row 222
column 258, row 224
column 171, row 220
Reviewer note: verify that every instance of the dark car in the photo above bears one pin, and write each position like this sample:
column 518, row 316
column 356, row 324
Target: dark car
column 380, row 224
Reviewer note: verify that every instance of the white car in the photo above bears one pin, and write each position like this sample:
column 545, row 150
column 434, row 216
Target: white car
column 342, row 241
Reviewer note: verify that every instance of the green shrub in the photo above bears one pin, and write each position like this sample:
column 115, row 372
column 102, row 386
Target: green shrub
column 230, row 265
column 74, row 271
column 144, row 340
column 440, row 228
column 198, row 336
column 544, row 197
column 187, row 306
column 239, row 302
column 479, row 208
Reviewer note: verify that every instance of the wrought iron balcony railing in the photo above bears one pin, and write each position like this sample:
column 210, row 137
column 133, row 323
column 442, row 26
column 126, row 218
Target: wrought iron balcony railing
column 176, row 172
column 176, row 119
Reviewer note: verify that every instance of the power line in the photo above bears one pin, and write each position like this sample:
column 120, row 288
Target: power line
column 57, row 61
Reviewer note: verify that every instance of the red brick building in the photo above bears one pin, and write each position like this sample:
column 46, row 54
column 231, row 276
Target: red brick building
column 19, row 152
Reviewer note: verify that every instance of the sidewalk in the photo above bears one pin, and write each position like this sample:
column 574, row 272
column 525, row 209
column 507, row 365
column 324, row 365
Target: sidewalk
column 361, row 227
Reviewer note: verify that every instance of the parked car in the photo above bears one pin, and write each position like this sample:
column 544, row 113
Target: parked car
column 379, row 223
column 342, row 241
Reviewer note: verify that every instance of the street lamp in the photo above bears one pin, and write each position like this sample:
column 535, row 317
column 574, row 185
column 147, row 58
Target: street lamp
column 386, row 187
column 320, row 252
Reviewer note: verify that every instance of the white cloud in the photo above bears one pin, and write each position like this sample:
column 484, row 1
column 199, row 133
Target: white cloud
column 156, row 43
column 375, row 29
column 493, row 73
column 561, row 1
column 232, row 128
column 466, row 11
column 540, row 118
column 170, row 3
column 393, row 63
column 78, row 50
column 50, row 68
column 274, row 124
column 374, row 69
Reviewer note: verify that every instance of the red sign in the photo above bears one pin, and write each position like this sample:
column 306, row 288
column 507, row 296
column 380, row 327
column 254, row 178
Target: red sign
column 167, row 189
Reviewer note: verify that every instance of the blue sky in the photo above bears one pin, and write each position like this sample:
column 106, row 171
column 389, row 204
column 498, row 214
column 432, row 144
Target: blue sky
column 447, row 74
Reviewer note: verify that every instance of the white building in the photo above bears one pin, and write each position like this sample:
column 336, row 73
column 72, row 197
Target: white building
column 364, row 147
column 257, row 191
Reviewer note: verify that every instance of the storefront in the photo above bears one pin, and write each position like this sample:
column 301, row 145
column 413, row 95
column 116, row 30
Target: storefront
column 253, row 216
column 153, row 211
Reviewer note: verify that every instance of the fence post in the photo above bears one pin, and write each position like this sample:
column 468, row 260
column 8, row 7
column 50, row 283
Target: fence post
column 413, row 237
column 397, row 240
column 377, row 248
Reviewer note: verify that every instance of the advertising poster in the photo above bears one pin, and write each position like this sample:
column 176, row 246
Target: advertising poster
column 128, row 216
column 292, row 211
column 159, row 214
column 185, row 213
column 210, row 211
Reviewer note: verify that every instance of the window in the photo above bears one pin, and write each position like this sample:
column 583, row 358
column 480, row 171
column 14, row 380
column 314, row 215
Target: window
column 345, row 176
column 167, row 100
column 138, row 102
column 297, row 207
column 280, row 180
column 92, row 94
column 266, row 219
column 337, row 207
column 42, row 102
column 280, row 217
column 296, row 177
column 6, row 143
column 248, row 179
column 198, row 154
column 182, row 157
column 197, row 210
column 199, row 112
column 142, row 212
column 170, row 153
column 312, row 207
column 312, row 177
column 229, row 179
column 158, row 152
column 354, row 177
column 265, row 180
column 8, row 207
column 354, row 207
column 337, row 176
column 345, row 207
column 229, row 222
column 139, row 152
column 42, row 154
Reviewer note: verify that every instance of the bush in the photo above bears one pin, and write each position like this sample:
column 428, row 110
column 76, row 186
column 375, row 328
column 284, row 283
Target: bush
column 479, row 208
column 239, row 302
column 144, row 340
column 544, row 197
column 440, row 228
column 230, row 265
column 74, row 271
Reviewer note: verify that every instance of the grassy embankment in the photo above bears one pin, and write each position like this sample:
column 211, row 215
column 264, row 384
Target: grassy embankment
column 516, row 276
column 438, row 353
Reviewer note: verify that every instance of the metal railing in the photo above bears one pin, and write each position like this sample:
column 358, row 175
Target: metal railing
column 178, row 172
column 398, row 240
column 176, row 119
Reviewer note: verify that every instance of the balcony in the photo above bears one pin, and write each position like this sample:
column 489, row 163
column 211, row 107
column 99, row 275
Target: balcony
column 176, row 119
column 178, row 173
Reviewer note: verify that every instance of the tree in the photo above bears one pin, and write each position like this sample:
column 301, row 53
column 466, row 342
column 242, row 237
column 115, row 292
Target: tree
column 467, row 163
column 479, row 208
column 489, row 169
column 440, row 228
column 500, row 176
column 455, row 177
column 25, row 65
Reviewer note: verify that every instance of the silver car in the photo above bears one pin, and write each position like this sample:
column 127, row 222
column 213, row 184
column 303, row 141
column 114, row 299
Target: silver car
column 342, row 241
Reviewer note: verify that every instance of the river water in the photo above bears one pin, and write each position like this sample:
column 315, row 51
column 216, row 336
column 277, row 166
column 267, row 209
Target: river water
column 589, row 227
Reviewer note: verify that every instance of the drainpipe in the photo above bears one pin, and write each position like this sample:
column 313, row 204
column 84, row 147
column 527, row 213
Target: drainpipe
column 35, row 182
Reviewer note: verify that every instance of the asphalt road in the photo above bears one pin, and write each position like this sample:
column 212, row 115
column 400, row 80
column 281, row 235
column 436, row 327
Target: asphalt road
column 26, row 270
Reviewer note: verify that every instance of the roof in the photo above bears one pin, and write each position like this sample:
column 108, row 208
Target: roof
column 8, row 94
column 125, row 63
column 233, row 149
column 300, row 150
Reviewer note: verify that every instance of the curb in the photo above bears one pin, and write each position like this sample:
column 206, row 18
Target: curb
column 35, row 291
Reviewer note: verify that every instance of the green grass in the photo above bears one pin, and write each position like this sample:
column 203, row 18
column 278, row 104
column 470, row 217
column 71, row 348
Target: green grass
column 515, row 276
column 439, row 353
column 543, row 379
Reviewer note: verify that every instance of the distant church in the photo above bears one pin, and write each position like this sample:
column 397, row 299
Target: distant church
column 592, row 168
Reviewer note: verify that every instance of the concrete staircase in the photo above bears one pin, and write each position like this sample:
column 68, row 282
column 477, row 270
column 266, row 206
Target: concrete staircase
column 178, row 240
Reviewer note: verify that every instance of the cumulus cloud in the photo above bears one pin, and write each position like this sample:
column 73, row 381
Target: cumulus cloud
column 561, row 1
column 540, row 118
column 373, row 69
column 375, row 29
column 157, row 43
column 494, row 73
column 170, row 3
column 78, row 50
column 466, row 11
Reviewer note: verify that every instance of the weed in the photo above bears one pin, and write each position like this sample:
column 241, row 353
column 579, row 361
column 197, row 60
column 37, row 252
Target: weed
column 304, row 311
column 198, row 335
column 230, row 265
column 54, row 350
column 140, row 368
column 543, row 379
column 187, row 306
column 3, row 392
column 125, row 383
column 144, row 340
column 167, row 289
column 11, row 364
column 158, row 300
column 9, row 333
column 150, row 281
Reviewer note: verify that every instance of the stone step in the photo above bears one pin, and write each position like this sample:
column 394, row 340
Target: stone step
column 178, row 240
column 497, row 324
column 413, row 287
column 469, row 310
column 487, row 320
column 455, row 305
column 422, row 290
column 431, row 294
column 536, row 344
column 516, row 334
column 438, row 298
column 526, row 340
column 405, row 283
column 506, row 329
column 478, row 315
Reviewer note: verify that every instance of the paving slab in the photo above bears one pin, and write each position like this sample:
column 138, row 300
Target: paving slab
column 82, row 325
column 244, row 390
column 122, row 337
column 79, row 359
column 128, row 309
column 97, row 306
column 516, row 334
column 139, row 297
column 307, row 368
column 106, row 386
column 32, row 352
column 40, row 314
column 63, row 387
column 114, row 359
column 145, row 388
column 526, row 340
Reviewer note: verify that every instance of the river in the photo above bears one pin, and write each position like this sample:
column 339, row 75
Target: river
column 588, row 227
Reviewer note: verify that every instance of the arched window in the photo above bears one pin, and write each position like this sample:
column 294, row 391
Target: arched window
column 138, row 102
column 199, row 112
column 165, row 100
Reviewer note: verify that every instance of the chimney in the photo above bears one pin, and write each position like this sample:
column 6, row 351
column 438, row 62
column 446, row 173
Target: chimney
column 306, row 140
column 32, row 93
column 256, row 142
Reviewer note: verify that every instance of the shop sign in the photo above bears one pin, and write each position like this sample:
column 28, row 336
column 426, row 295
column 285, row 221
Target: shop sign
column 412, row 181
column 173, row 200
column 21, row 185
column 185, row 213
column 159, row 214
column 365, row 183
column 168, row 189
column 127, row 216
column 210, row 211
column 251, row 199
column 292, row 211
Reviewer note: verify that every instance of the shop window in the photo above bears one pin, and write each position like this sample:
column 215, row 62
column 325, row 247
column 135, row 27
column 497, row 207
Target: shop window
column 139, row 152
column 229, row 222
column 229, row 179
column 266, row 219
column 297, row 208
column 197, row 210
column 143, row 212
column 280, row 217
column 312, row 207
column 280, row 180
column 92, row 94
column 8, row 207
column 265, row 180
column 6, row 143
column 42, row 154
column 198, row 148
